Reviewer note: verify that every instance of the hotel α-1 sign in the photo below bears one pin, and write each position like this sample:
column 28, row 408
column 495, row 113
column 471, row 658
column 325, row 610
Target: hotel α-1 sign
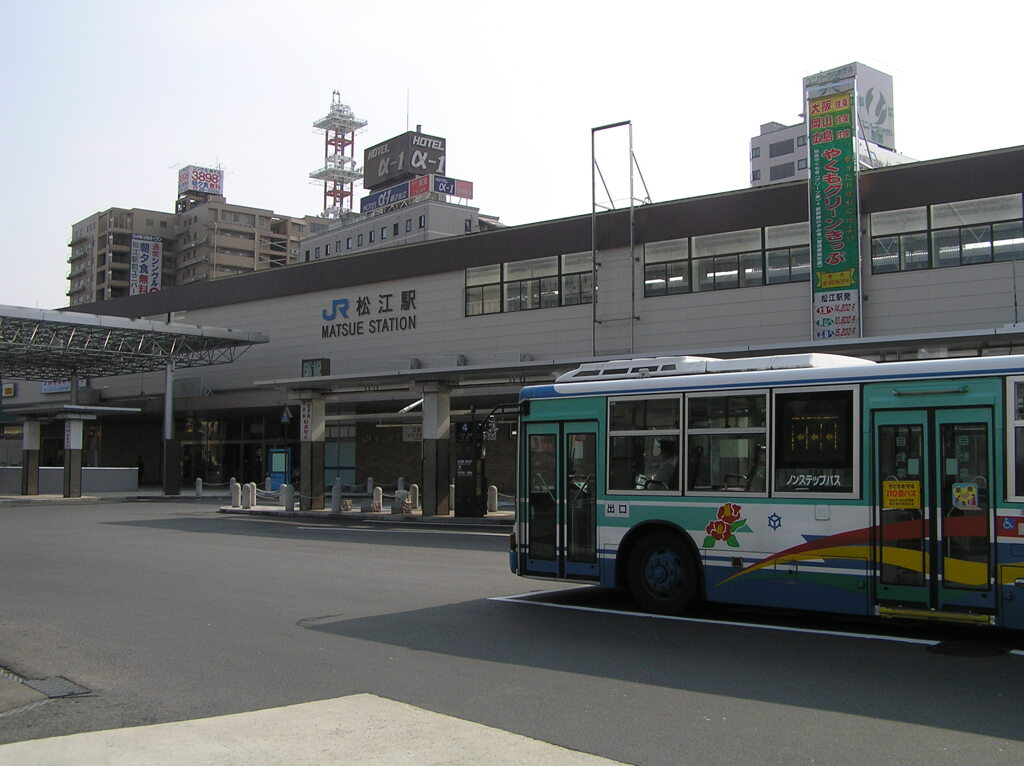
column 834, row 215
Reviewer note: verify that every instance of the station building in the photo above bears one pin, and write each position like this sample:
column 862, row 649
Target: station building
column 396, row 346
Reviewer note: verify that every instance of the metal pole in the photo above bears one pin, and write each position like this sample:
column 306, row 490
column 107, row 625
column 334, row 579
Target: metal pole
column 632, row 254
column 172, row 451
column 593, row 240
column 169, row 401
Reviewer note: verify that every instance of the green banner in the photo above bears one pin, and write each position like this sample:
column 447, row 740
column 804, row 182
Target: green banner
column 833, row 198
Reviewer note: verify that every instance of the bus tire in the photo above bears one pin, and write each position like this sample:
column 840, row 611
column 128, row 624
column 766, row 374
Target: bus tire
column 663, row 574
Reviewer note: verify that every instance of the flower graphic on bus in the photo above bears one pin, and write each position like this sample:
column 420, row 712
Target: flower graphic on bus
column 724, row 526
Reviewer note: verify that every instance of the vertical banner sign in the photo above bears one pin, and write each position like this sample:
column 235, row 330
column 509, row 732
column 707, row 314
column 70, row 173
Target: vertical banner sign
column 834, row 214
column 147, row 257
column 306, row 421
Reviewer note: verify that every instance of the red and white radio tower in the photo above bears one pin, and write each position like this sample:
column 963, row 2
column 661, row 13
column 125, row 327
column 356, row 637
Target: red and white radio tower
column 339, row 172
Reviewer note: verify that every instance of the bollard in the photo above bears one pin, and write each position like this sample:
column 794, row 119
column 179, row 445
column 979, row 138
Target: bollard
column 336, row 495
column 401, row 482
column 199, row 487
column 492, row 499
column 236, row 494
column 253, row 495
column 414, row 496
column 267, row 486
column 286, row 496
column 451, row 498
column 232, row 482
column 378, row 499
column 247, row 496
column 369, row 486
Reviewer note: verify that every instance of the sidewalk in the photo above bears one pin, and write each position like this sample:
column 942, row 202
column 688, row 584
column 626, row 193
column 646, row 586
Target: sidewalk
column 498, row 518
column 362, row 728
column 221, row 500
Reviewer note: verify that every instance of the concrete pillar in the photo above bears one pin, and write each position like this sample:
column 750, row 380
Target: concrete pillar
column 436, row 452
column 30, row 441
column 312, row 431
column 73, row 458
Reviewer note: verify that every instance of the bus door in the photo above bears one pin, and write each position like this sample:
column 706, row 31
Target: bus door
column 560, row 493
column 933, row 474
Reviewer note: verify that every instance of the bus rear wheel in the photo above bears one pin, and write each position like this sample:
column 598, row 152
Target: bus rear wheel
column 663, row 574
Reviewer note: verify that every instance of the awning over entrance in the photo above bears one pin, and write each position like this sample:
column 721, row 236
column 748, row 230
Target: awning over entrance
column 38, row 344
column 65, row 346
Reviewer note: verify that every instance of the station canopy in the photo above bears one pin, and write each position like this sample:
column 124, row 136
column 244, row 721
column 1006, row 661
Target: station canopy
column 39, row 344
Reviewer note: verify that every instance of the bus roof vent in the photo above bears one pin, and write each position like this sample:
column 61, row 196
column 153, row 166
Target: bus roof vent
column 662, row 366
column 785, row 362
column 658, row 366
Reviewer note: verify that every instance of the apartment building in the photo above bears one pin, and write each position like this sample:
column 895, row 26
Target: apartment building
column 206, row 238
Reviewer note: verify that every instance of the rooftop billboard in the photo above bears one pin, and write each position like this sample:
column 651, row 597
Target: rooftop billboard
column 206, row 180
column 401, row 158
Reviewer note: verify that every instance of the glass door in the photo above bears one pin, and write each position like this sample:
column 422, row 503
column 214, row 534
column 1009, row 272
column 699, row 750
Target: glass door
column 934, row 533
column 965, row 508
column 560, row 487
column 541, row 481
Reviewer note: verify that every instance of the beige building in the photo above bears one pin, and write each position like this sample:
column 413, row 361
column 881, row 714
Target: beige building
column 207, row 238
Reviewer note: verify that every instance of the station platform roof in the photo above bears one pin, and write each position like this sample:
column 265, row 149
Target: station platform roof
column 38, row 344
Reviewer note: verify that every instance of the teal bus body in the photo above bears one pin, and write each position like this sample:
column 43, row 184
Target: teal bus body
column 868, row 489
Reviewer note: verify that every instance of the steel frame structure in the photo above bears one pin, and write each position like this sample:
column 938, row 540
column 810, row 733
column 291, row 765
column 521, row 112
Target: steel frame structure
column 339, row 172
column 57, row 345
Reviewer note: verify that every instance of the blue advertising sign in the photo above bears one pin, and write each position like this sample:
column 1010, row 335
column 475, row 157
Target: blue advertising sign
column 444, row 185
column 384, row 197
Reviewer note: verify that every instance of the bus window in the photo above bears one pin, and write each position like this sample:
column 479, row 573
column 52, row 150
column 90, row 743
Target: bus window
column 643, row 444
column 814, row 442
column 1017, row 462
column 726, row 443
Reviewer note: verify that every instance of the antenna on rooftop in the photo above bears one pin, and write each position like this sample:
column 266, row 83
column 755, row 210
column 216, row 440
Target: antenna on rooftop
column 339, row 172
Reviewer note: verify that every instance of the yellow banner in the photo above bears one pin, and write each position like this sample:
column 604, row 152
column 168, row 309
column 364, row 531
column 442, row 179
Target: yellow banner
column 835, row 280
column 901, row 494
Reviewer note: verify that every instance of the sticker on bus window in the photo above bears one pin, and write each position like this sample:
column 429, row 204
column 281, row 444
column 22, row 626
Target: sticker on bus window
column 901, row 494
column 616, row 510
column 965, row 497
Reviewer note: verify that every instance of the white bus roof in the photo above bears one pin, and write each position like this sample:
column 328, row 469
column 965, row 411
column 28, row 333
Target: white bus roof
column 655, row 375
column 660, row 366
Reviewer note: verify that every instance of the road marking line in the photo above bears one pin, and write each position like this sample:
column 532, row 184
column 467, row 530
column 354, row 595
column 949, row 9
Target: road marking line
column 524, row 599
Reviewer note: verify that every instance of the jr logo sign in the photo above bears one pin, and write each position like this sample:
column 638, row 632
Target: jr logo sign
column 339, row 307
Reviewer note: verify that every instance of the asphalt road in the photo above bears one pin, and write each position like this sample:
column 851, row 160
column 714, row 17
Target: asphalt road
column 170, row 611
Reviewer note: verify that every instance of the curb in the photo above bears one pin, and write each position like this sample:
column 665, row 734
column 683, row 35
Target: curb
column 503, row 520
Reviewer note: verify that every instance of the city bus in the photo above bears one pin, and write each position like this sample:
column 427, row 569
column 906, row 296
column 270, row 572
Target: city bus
column 807, row 481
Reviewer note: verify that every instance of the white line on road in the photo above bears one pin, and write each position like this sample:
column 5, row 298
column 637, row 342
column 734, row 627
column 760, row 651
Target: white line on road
column 525, row 599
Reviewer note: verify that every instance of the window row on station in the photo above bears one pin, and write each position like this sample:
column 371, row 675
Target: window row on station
column 988, row 230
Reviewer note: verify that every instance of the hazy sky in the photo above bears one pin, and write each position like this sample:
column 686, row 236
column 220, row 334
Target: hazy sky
column 103, row 101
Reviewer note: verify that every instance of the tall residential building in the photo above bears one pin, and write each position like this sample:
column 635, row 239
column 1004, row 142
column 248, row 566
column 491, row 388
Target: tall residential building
column 101, row 245
column 206, row 238
column 779, row 152
column 217, row 239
